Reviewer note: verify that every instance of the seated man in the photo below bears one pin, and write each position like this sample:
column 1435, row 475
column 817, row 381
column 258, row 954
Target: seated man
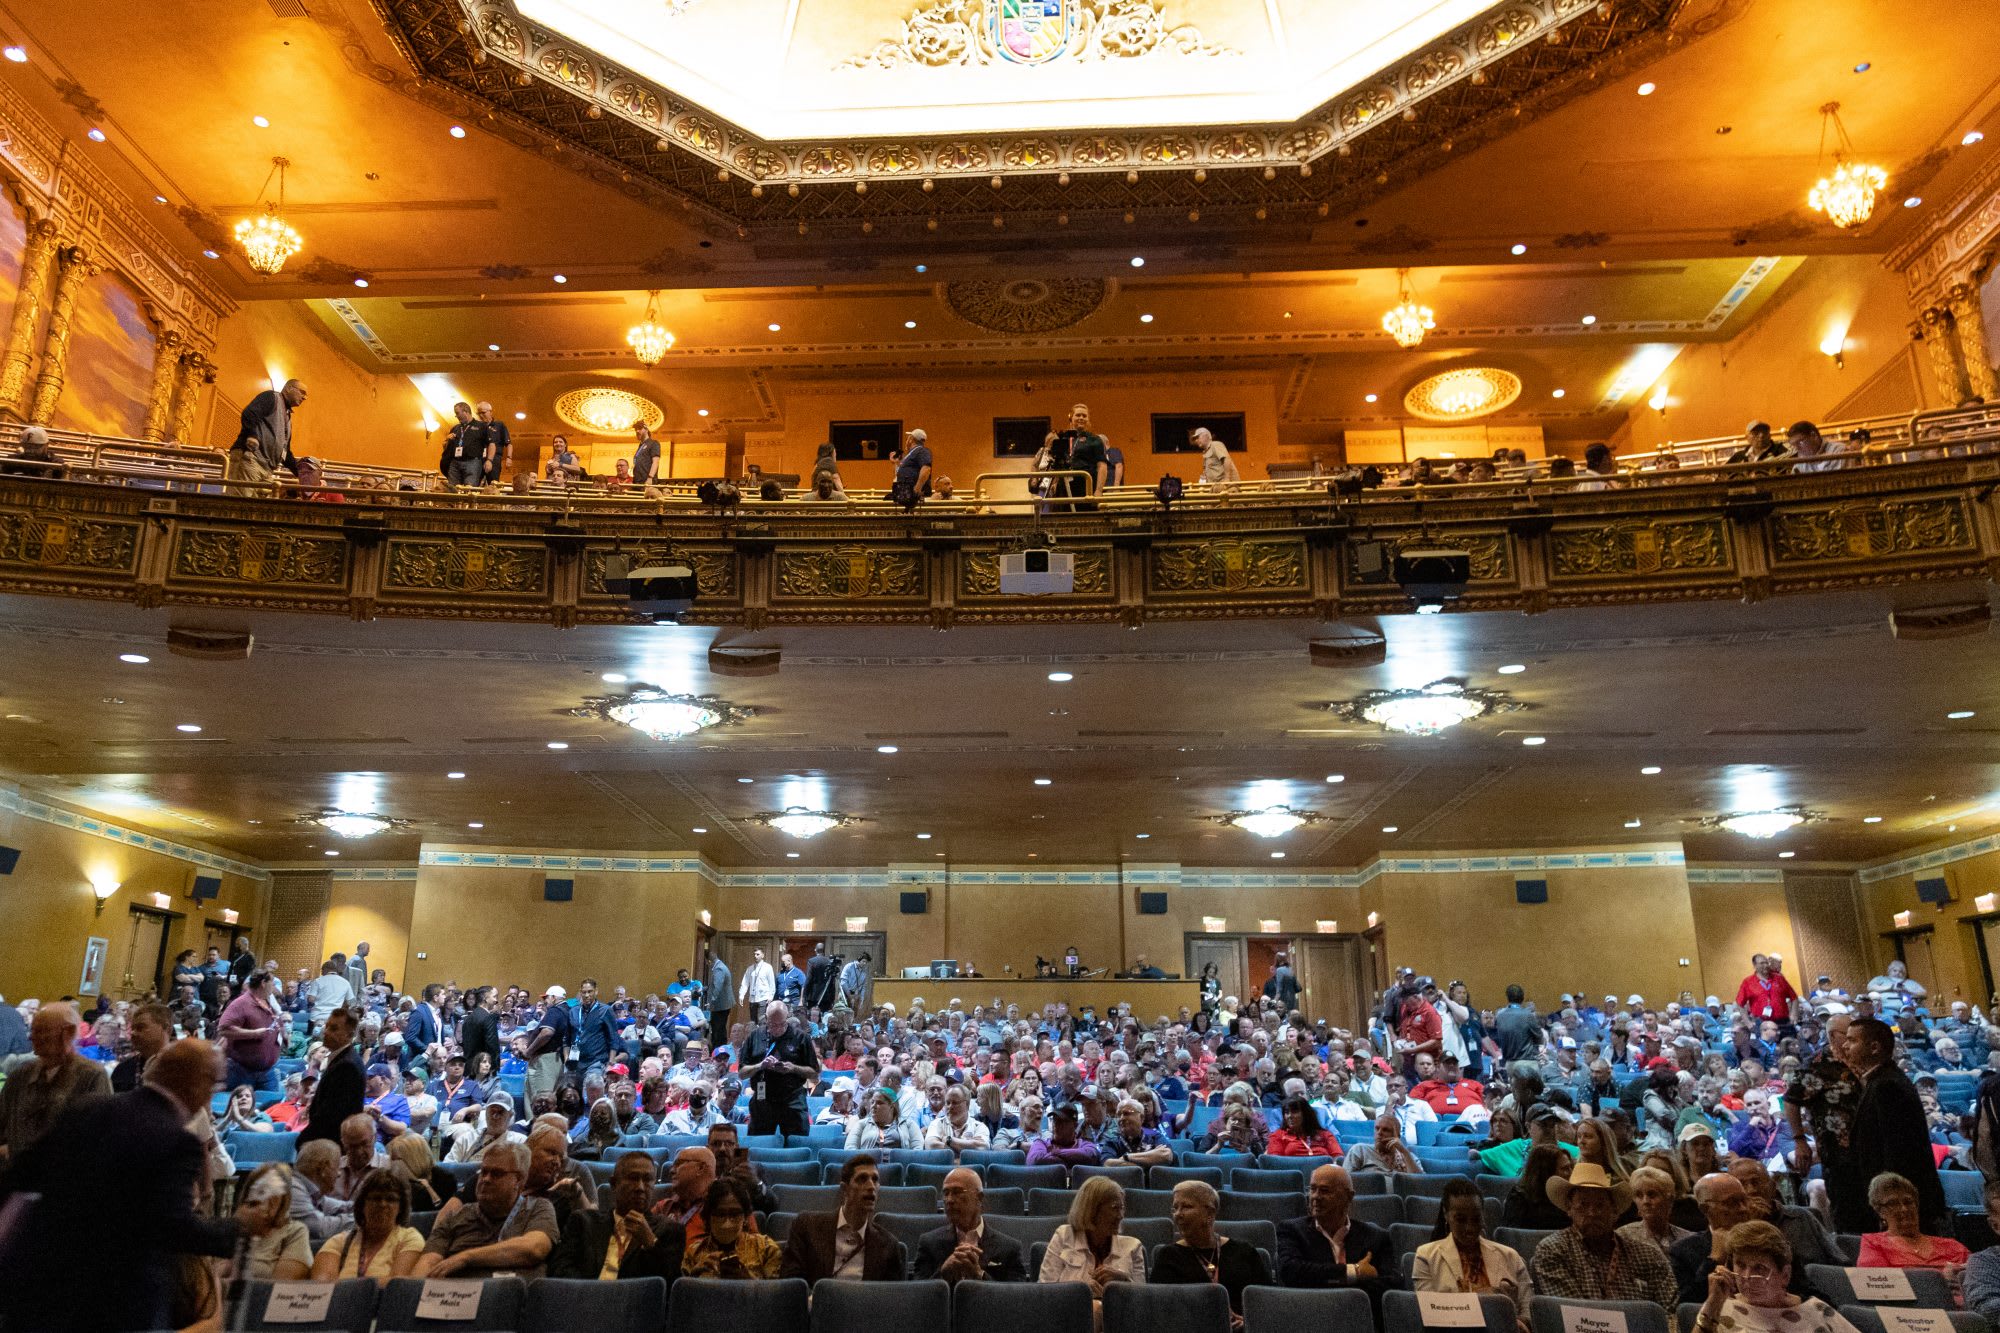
column 693, row 1173
column 843, row 1244
column 313, row 1200
column 1130, row 1142
column 1802, row 1228
column 504, row 1232
column 1329, row 1247
column 1588, row 1260
column 360, row 1153
column 1724, row 1203
column 621, row 1241
column 1062, row 1147
column 1387, row 1153
column 34, row 458
column 966, row 1249
column 732, row 1159
column 470, row 1140
column 552, row 1176
column 1448, row 1092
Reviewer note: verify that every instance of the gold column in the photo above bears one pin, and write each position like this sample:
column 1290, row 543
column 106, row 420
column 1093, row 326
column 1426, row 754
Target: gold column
column 1933, row 328
column 1971, row 326
column 19, row 357
column 166, row 370
column 196, row 371
column 75, row 269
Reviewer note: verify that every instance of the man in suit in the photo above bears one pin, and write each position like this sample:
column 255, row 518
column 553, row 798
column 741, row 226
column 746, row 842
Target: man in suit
column 1888, row 1133
column 424, row 1026
column 843, row 1244
column 343, row 1087
column 264, row 439
column 124, row 1171
column 821, row 973
column 151, row 1028
column 621, row 1241
column 480, row 1031
column 966, row 1249
column 1329, row 1247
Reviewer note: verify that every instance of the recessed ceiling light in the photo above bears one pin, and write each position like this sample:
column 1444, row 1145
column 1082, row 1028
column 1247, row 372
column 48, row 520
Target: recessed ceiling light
column 701, row 411
column 885, row 749
column 1871, row 819
column 361, row 282
column 189, row 727
column 746, row 780
column 1138, row 261
column 775, row 328
column 1961, row 715
column 559, row 279
column 1786, row 856
column 1646, row 89
column 1145, row 319
column 791, row 856
column 1559, row 393
column 699, row 830
column 136, row 659
column 1336, row 777
column 923, row 837
column 17, row 54
column 1913, row 201
column 260, row 122
column 1043, row 782
column 475, row 826
column 909, row 323
column 492, row 347
column 1972, row 137
column 1388, row 828
column 1277, row 856
column 331, row 852
column 1512, row 669
column 1367, row 397
column 454, row 775
column 1862, row 68
column 159, row 199
column 558, row 745
column 520, row 416
column 1631, row 823
column 457, row 131
column 923, row 268
column 1142, row 836
column 1590, row 319
column 1534, row 740
column 1651, row 770
column 1060, row 676
column 210, row 254
column 96, row 135
column 1519, row 249
column 1951, row 828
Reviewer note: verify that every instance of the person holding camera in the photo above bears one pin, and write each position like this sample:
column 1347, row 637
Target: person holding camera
column 779, row 1063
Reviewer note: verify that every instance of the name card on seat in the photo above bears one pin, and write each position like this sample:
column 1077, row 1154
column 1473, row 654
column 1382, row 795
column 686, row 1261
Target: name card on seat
column 446, row 1298
column 1583, row 1319
column 1915, row 1321
column 299, row 1303
column 1456, row 1310
column 1880, row 1284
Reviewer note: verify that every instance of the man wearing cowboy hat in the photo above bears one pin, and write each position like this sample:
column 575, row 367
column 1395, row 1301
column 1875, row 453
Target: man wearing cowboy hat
column 1588, row 1260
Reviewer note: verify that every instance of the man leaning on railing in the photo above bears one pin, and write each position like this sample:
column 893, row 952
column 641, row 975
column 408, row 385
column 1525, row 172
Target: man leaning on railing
column 264, row 442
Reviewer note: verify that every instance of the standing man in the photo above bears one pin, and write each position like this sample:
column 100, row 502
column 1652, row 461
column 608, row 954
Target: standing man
column 499, row 444
column 425, row 1025
column 821, row 975
column 645, row 454
column 1765, row 994
column 759, row 985
column 913, row 471
column 357, row 972
column 779, row 1063
column 1889, row 1133
column 264, row 438
column 249, row 1032
column 857, row 983
column 343, row 1088
column 549, row 1045
column 791, row 981
column 479, row 1030
column 1418, row 1028
column 464, row 459
column 721, row 998
column 1087, row 453
column 1517, row 1029
column 40, row 1089
column 1283, row 986
column 242, row 963
column 596, row 1030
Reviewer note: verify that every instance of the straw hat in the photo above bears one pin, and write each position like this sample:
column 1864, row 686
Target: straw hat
column 1589, row 1176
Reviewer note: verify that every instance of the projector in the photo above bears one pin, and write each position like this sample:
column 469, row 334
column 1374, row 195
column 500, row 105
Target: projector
column 1036, row 573
column 661, row 592
column 1432, row 576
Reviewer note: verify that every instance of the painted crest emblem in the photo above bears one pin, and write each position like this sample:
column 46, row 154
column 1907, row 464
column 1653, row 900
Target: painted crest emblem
column 1029, row 32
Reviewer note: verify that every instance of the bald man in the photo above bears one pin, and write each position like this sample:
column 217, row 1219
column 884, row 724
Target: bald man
column 965, row 1249
column 40, row 1089
column 1329, row 1247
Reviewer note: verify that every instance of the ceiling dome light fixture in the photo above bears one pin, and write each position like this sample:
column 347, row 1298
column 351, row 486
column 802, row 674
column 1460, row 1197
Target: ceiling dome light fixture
column 664, row 716
column 603, row 410
column 1463, row 393
column 1429, row 711
column 1847, row 197
column 1273, row 821
column 1408, row 322
column 647, row 339
column 267, row 239
column 798, row 822
column 353, row 823
column 1762, row 823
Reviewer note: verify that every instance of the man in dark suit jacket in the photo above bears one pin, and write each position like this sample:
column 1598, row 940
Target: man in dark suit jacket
column 424, row 1025
column 1306, row 1256
column 123, row 1171
column 480, row 1031
column 343, row 1087
column 1888, row 1133
column 646, row 1246
column 823, row 1244
column 966, row 1248
column 820, row 976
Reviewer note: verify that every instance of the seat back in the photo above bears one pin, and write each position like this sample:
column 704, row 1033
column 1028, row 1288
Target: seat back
column 775, row 1174
column 1134, row 1308
column 557, row 1305
column 1288, row 1309
column 807, row 1198
column 1411, row 1186
column 889, row 1173
column 869, row 1307
column 256, row 1149
column 1962, row 1189
column 775, row 1155
column 1835, row 1286
column 500, row 1302
column 1405, row 1237
column 1303, row 1167
column 1226, row 1163
column 1128, row 1176
column 704, row 1304
column 1150, row 1232
column 924, row 1173
column 909, row 1228
column 351, row 1309
column 1166, row 1177
column 1027, row 1230
column 778, row 1226
column 1009, row 1200
column 1149, row 1203
column 1496, row 1187
column 1521, row 1240
column 1055, row 1203
column 1265, row 1182
column 1402, row 1312
column 422, row 1223
column 1422, row 1209
column 1868, row 1319
column 1010, row 1307
column 1028, row 1177
column 1370, row 1182
column 1381, row 1210
column 984, row 1157
column 1545, row 1314
column 907, row 1199
column 927, row 1157
column 1263, row 1235
column 1270, row 1207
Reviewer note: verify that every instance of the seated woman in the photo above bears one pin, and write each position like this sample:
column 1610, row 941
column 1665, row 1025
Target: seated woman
column 1088, row 1247
column 410, row 1157
column 1199, row 1255
column 283, row 1253
column 1901, row 1243
column 1003, row 1129
column 1747, row 1292
column 1653, row 1197
column 597, row 1135
column 1300, row 1134
column 243, row 1116
column 1528, row 1203
column 1235, row 1131
column 728, row 1247
column 1459, row 1258
column 381, row 1244
column 881, row 1125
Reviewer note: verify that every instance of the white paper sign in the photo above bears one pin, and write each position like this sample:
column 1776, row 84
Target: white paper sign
column 308, row 1303
column 1915, row 1321
column 1583, row 1319
column 1458, row 1310
column 1880, row 1284
column 450, row 1299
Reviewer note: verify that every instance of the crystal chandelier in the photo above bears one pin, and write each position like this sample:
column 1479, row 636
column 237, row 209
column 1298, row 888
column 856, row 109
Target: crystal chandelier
column 351, row 825
column 1762, row 823
column 648, row 341
column 1437, row 707
column 267, row 239
column 663, row 715
column 1408, row 322
column 1273, row 822
column 798, row 822
column 1847, row 197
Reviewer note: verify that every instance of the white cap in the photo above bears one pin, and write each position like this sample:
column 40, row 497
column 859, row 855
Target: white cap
column 1635, row 999
column 555, row 993
column 918, row 435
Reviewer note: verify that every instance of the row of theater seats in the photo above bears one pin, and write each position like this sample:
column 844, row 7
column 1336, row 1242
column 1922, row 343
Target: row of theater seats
column 704, row 1305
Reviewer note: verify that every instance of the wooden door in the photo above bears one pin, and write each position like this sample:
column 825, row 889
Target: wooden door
column 1226, row 952
column 144, row 951
column 1330, row 972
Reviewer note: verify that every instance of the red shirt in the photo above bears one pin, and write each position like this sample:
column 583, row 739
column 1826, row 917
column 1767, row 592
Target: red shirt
column 1284, row 1143
column 1449, row 1098
column 1419, row 1023
column 1767, row 997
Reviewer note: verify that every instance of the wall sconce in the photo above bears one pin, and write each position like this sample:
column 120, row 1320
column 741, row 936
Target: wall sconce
column 1327, row 927
column 163, row 902
column 1269, row 927
column 705, row 919
column 1374, row 919
column 802, row 923
column 1985, row 902
column 1213, row 923
column 229, row 915
column 1902, row 920
column 856, row 924
column 1835, row 346
column 749, row 923
column 103, row 889
column 1658, row 402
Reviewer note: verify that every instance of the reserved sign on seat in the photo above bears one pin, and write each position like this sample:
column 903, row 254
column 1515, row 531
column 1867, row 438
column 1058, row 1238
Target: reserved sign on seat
column 1450, row 1310
column 299, row 1303
column 1583, row 1319
column 1880, row 1284
column 449, row 1298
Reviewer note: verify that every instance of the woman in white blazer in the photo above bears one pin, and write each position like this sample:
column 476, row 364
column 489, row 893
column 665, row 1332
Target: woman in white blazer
column 1447, row 1264
column 1088, row 1247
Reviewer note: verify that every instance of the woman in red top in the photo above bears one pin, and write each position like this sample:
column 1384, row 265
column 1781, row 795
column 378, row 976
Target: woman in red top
column 1300, row 1135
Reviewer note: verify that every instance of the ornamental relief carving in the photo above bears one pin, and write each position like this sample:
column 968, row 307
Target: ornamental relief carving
column 1870, row 531
column 1619, row 549
column 714, row 571
column 1026, row 305
column 567, row 67
column 979, row 573
column 1492, row 557
column 940, row 34
column 260, row 557
column 1498, row 33
column 850, row 572
column 453, row 566
column 1274, row 565
column 56, row 541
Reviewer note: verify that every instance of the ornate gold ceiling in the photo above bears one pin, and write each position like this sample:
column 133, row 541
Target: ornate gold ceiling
column 1475, row 82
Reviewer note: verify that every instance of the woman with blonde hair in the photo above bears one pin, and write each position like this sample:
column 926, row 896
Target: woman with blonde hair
column 1088, row 1247
column 1653, row 1196
column 430, row 1185
column 1595, row 1143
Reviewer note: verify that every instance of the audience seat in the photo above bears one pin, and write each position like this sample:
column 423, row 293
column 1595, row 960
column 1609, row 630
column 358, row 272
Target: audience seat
column 1423, row 1209
column 869, row 1307
column 1135, row 1308
column 673, row 1143
column 819, row 1136
column 1262, row 1234
column 1288, row 1309
column 1927, row 1286
column 1521, row 1240
column 256, row 1149
column 1055, row 1203
column 1270, row 1207
column 1496, row 1187
column 756, row 1141
column 1429, row 1130
column 421, row 1223
column 461, row 1173
column 1149, row 1203
column 1405, row 1237
column 1010, row 1307
column 1166, row 1177
column 775, row 1155
column 907, row 1199
column 1370, row 1182
column 1962, row 1189
column 1027, row 1230
column 1150, row 1232
column 1868, row 1319
column 927, row 1157
column 985, row 1157
column 559, row 1305
column 1409, row 1186
column 1545, row 1314
column 1685, row 1314
column 1303, row 1167
column 1008, row 1200
column 788, row 1173
column 924, row 1173
column 1401, row 1313
column 500, row 1302
column 807, row 1198
column 890, row 1173
column 1128, row 1176
column 705, row 1304
column 909, row 1228
column 352, row 1309
column 1266, row 1182
column 1490, row 1211
column 1376, row 1209
column 1227, row 1163
column 778, row 1225
column 1028, row 1177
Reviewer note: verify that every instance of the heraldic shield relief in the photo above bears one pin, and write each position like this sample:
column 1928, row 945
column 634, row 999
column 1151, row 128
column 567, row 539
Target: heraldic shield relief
column 1029, row 32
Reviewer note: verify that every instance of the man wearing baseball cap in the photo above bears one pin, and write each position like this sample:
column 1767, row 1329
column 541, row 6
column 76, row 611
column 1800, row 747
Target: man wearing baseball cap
column 913, row 473
column 1588, row 1260
column 551, row 1038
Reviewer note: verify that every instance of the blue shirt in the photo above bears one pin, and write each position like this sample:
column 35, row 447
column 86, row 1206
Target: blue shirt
column 791, row 986
column 595, row 1033
column 556, row 1019
column 913, row 464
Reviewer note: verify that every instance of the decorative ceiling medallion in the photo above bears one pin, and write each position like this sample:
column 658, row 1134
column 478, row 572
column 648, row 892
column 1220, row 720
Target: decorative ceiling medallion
column 1437, row 707
column 944, row 33
column 1463, row 393
column 606, row 411
column 353, row 823
column 1027, row 305
column 798, row 822
column 661, row 715
column 1273, row 821
column 1762, row 823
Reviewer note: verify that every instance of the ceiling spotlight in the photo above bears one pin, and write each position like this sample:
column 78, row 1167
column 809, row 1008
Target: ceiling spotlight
column 136, row 659
column 260, row 122
column 520, row 416
column 774, row 328
column 1060, row 676
column 1559, row 393
column 332, row 853
column 698, row 830
column 1368, row 397
column 1520, row 249
column 454, row 775
column 1589, row 319
column 1646, row 89
column 558, row 745
column 1145, row 319
column 1277, row 856
column 1138, row 261
column 159, row 199
column 701, row 412
column 1786, row 856
column 559, row 279
column 923, row 837
column 1913, row 201
column 189, row 727
column 1534, row 740
column 1651, row 770
column 1043, row 782
column 1961, row 715
column 457, row 131
column 1142, row 836
column 96, row 135
column 1631, row 823
column 1862, row 68
column 361, row 282
column 492, row 347
column 1971, row 136
column 885, row 749
column 793, row 856
column 909, row 323
column 1511, row 669
column 1871, row 819
column 1388, row 828
column 1336, row 777
column 746, row 781
column 210, row 254
column 17, row 54
column 475, row 826
column 923, row 268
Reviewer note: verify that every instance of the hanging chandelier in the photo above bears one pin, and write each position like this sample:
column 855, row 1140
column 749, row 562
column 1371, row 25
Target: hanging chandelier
column 664, row 716
column 1428, row 710
column 647, row 339
column 1408, row 322
column 1762, row 823
column 353, row 823
column 267, row 239
column 1847, row 197
column 798, row 822
column 1271, row 822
